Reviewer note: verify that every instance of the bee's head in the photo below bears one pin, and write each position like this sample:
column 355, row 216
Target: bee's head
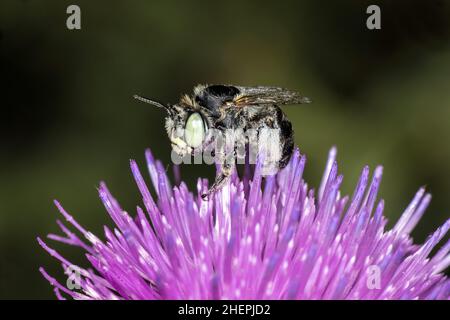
column 186, row 125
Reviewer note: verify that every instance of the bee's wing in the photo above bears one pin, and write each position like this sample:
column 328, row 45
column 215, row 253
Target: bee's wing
column 252, row 96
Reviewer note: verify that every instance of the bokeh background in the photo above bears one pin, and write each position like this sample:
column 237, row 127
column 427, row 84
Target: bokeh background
column 68, row 120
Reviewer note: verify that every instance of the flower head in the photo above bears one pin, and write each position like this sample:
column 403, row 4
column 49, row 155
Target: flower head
column 271, row 238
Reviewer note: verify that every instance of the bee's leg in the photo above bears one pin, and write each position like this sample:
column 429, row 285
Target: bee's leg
column 221, row 179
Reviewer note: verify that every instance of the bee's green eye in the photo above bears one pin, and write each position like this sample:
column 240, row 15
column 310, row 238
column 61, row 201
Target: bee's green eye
column 194, row 133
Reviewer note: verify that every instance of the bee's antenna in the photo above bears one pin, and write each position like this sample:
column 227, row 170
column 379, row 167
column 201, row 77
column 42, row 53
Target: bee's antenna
column 155, row 103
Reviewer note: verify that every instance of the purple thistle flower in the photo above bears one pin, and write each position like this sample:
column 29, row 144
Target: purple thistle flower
column 255, row 239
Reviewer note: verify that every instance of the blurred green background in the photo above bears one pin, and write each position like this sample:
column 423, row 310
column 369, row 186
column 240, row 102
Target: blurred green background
column 68, row 119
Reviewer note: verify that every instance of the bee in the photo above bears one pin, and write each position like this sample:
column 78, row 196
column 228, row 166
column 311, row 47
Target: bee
column 222, row 108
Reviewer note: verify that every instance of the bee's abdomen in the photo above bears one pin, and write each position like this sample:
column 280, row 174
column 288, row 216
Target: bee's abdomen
column 286, row 137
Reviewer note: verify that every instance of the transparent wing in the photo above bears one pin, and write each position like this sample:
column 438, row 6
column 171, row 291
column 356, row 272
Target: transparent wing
column 251, row 96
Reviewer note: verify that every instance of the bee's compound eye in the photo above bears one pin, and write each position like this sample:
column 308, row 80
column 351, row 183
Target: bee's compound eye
column 194, row 133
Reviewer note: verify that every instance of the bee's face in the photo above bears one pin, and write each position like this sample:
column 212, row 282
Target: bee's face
column 187, row 128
